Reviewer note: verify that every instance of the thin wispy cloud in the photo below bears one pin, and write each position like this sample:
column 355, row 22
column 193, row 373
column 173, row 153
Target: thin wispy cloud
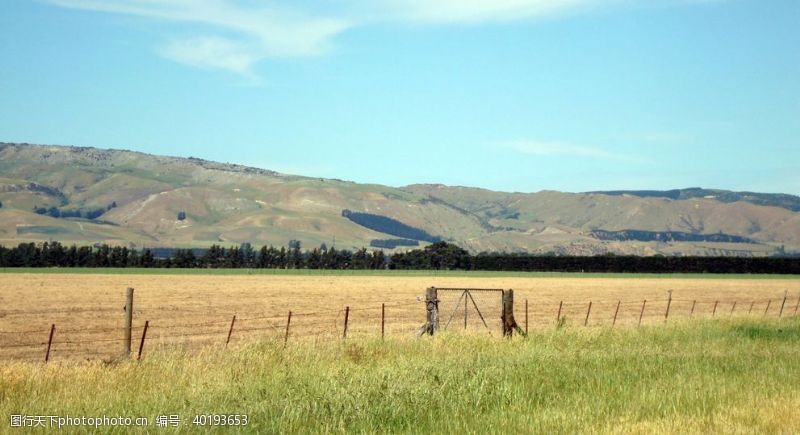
column 235, row 35
column 257, row 33
column 562, row 149
column 473, row 11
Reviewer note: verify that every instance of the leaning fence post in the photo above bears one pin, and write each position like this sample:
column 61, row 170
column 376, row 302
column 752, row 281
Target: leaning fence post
column 141, row 344
column 797, row 305
column 383, row 320
column 558, row 316
column 432, row 313
column 694, row 302
column 128, row 320
column 733, row 308
column 644, row 302
column 614, row 322
column 714, row 313
column 785, row 294
column 230, row 331
column 752, row 304
column 346, row 318
column 588, row 311
column 669, row 303
column 50, row 342
column 288, row 322
column 769, row 302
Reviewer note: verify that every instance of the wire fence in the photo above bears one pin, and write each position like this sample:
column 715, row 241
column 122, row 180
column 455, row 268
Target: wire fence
column 101, row 333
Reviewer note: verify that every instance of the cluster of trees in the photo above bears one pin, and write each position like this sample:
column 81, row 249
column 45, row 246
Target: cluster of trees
column 270, row 257
column 392, row 243
column 630, row 263
column 667, row 236
column 90, row 214
column 54, row 254
column 438, row 256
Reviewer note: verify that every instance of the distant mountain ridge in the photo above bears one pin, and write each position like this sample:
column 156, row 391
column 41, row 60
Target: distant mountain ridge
column 89, row 195
column 783, row 200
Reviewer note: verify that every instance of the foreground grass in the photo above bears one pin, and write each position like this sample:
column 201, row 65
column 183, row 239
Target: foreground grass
column 389, row 273
column 712, row 377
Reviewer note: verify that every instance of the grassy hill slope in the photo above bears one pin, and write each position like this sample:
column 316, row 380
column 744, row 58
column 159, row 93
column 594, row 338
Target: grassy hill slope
column 140, row 197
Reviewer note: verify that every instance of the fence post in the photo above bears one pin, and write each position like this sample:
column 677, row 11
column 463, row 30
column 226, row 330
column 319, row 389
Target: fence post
column 614, row 322
column 642, row 313
column 128, row 320
column 141, row 344
column 797, row 305
column 509, row 324
column 785, row 294
column 669, row 303
column 588, row 311
column 288, row 322
column 432, row 313
column 714, row 313
column 558, row 316
column 466, row 299
column 694, row 302
column 230, row 331
column 346, row 318
column 750, row 311
column 49, row 343
column 526, row 316
column 733, row 308
column 769, row 302
column 383, row 320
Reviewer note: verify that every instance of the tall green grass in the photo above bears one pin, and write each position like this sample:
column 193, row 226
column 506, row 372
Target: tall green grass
column 705, row 376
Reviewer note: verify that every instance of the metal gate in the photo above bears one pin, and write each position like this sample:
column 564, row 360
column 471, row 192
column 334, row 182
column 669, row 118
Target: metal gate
column 477, row 309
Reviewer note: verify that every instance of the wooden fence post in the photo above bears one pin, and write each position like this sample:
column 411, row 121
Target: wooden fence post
column 558, row 316
column 466, row 299
column 49, row 343
column 733, row 308
column 141, row 344
column 714, row 313
column 128, row 321
column 526, row 316
column 383, row 320
column 509, row 324
column 694, row 302
column 614, row 322
column 588, row 311
column 230, row 331
column 797, row 305
column 669, row 303
column 785, row 294
column 769, row 302
column 288, row 322
column 346, row 318
column 642, row 313
column 432, row 313
column 752, row 304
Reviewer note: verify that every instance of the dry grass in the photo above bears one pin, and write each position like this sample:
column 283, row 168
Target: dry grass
column 88, row 309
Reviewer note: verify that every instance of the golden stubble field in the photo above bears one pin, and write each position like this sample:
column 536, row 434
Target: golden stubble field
column 192, row 311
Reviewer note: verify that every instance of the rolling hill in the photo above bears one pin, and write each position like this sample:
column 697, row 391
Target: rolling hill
column 88, row 195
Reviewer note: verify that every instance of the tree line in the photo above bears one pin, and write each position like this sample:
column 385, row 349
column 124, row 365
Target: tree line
column 437, row 256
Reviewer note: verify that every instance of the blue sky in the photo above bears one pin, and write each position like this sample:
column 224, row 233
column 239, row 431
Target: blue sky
column 514, row 95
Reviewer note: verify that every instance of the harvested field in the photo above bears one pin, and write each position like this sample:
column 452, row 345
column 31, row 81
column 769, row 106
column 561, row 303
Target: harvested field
column 193, row 311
